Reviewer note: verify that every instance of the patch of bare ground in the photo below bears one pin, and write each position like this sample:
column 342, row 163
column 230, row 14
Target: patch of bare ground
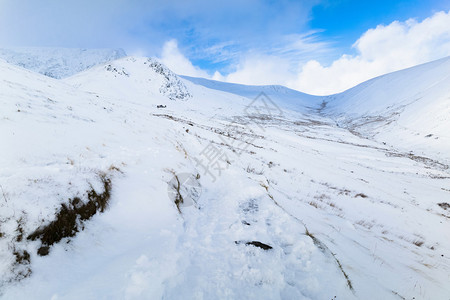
column 70, row 217
column 444, row 205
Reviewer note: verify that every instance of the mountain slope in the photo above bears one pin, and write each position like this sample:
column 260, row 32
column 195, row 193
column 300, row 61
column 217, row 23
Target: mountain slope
column 291, row 205
column 288, row 98
column 143, row 76
column 409, row 109
column 58, row 62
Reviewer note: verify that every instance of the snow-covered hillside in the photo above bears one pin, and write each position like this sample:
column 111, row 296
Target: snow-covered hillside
column 283, row 96
column 58, row 62
column 409, row 109
column 143, row 77
column 295, row 202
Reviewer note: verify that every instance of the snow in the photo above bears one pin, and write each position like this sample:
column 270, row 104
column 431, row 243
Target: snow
column 146, row 77
column 409, row 109
column 58, row 62
column 283, row 96
column 332, row 200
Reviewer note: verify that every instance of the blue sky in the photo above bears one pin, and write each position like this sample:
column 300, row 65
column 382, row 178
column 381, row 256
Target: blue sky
column 213, row 36
column 344, row 21
column 350, row 18
column 338, row 23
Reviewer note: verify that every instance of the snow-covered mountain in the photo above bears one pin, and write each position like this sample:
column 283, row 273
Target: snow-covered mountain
column 409, row 109
column 283, row 96
column 145, row 77
column 59, row 62
column 276, row 195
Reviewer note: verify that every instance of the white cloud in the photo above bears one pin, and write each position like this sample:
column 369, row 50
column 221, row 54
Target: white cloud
column 260, row 70
column 278, row 63
column 178, row 63
column 381, row 50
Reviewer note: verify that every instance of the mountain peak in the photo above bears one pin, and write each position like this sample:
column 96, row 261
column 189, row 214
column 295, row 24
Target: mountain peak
column 58, row 62
column 146, row 76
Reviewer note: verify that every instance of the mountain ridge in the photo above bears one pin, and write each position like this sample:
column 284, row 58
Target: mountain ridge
column 58, row 62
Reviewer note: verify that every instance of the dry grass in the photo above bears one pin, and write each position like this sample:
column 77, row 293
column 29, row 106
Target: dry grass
column 21, row 268
column 19, row 229
column 362, row 195
column 324, row 248
column 444, row 205
column 314, row 204
column 254, row 171
column 178, row 198
column 418, row 243
column 4, row 194
column 365, row 224
column 70, row 217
